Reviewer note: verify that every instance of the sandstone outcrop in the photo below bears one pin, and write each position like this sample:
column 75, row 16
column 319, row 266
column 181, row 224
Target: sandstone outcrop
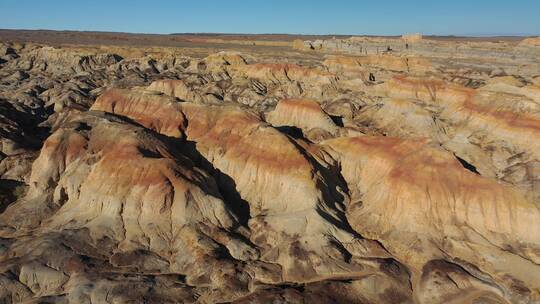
column 304, row 114
column 412, row 37
column 240, row 178
column 252, row 159
column 381, row 67
column 535, row 41
column 493, row 218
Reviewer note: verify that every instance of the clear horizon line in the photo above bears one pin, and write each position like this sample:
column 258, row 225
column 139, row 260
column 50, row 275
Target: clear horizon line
column 470, row 35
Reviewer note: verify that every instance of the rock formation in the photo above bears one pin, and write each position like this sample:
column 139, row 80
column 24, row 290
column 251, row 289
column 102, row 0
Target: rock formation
column 412, row 37
column 238, row 178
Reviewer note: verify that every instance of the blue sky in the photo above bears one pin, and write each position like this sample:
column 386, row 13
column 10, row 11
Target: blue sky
column 390, row 17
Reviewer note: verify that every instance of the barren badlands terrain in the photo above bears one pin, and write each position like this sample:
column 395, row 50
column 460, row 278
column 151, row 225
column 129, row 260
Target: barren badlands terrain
column 268, row 169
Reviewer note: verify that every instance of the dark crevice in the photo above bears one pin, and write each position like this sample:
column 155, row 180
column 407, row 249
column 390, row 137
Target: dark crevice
column 10, row 191
column 338, row 120
column 226, row 185
column 458, row 266
column 347, row 256
column 193, row 158
column 330, row 185
column 299, row 287
column 467, row 165
column 292, row 131
column 397, row 270
column 149, row 154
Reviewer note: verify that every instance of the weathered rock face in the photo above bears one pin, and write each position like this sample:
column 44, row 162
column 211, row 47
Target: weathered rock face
column 285, row 73
column 412, row 37
column 156, row 218
column 232, row 179
column 399, row 191
column 401, row 117
column 350, row 65
column 474, row 120
column 510, row 57
column 531, row 41
column 175, row 88
column 293, row 224
column 305, row 115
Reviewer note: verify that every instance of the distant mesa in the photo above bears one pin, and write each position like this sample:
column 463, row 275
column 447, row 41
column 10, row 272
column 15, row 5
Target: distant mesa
column 412, row 37
column 533, row 41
